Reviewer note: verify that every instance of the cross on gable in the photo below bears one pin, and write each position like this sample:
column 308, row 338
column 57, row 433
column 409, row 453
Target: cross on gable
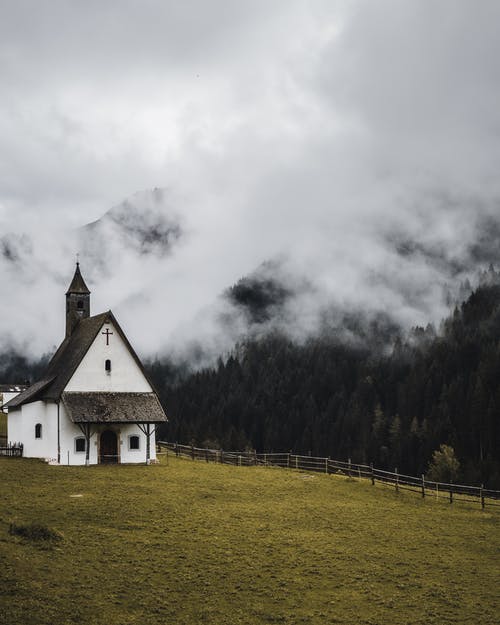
column 107, row 334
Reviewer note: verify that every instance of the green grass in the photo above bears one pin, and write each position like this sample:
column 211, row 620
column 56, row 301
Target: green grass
column 192, row 543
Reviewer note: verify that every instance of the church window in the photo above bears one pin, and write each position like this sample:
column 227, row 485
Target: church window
column 38, row 430
column 79, row 304
column 107, row 366
column 79, row 444
column 133, row 442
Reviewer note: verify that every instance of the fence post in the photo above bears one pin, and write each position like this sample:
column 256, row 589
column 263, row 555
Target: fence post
column 326, row 465
column 423, row 485
column 222, row 456
column 192, row 452
column 177, row 450
column 239, row 460
column 255, row 457
column 451, row 493
column 296, row 462
column 265, row 460
column 288, row 460
column 397, row 479
column 372, row 473
column 481, row 492
column 349, row 467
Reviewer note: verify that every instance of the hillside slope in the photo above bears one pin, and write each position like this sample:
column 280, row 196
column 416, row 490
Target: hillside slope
column 376, row 398
column 189, row 543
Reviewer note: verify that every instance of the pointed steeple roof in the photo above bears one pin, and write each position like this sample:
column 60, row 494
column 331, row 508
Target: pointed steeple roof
column 78, row 283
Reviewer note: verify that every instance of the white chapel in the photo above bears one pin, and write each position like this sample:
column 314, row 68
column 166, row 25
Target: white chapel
column 94, row 403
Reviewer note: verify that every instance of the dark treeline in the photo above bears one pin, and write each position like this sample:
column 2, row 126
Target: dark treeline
column 346, row 399
column 17, row 369
column 330, row 398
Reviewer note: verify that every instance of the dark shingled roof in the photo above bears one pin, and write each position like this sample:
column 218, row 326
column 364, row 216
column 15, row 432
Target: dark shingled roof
column 64, row 362
column 67, row 358
column 78, row 283
column 113, row 407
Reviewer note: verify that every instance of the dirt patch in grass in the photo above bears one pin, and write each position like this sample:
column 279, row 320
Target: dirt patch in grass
column 35, row 532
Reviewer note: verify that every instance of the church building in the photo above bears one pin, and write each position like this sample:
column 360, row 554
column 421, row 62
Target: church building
column 94, row 404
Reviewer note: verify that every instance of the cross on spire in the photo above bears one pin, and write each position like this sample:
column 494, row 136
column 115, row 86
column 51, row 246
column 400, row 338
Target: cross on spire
column 107, row 334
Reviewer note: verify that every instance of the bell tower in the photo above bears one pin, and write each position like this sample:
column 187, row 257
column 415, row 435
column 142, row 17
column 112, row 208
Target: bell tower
column 77, row 301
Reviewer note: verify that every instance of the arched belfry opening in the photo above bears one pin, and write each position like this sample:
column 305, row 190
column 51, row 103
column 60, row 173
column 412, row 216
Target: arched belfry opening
column 77, row 301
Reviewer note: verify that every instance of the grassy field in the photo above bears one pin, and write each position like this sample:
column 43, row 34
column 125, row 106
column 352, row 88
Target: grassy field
column 192, row 543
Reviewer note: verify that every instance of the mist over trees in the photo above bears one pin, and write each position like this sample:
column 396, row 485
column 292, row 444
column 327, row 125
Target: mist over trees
column 16, row 368
column 331, row 398
column 383, row 396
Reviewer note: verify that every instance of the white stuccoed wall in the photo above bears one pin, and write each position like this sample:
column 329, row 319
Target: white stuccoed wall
column 70, row 431
column 125, row 376
column 22, row 423
column 135, row 455
column 15, row 428
column 90, row 376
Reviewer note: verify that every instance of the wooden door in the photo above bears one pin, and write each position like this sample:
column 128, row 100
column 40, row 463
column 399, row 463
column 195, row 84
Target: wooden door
column 108, row 447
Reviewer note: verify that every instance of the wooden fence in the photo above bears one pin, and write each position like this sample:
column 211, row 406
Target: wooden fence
column 11, row 449
column 420, row 485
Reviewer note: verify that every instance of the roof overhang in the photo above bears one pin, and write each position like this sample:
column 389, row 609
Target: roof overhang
column 30, row 394
column 117, row 408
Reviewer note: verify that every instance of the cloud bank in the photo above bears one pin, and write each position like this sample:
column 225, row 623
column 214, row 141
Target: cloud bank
column 354, row 145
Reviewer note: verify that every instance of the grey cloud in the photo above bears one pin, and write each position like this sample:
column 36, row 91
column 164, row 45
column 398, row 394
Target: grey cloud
column 356, row 143
column 70, row 41
column 422, row 80
column 145, row 224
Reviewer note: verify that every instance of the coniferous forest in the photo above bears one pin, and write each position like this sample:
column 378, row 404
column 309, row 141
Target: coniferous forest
column 384, row 398
column 331, row 398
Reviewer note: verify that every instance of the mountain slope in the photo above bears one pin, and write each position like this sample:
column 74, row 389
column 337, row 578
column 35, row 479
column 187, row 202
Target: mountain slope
column 339, row 399
column 141, row 224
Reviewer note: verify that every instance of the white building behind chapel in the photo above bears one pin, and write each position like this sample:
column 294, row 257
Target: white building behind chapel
column 8, row 392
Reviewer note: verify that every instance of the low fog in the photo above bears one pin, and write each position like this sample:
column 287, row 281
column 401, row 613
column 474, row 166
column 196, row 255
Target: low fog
column 348, row 151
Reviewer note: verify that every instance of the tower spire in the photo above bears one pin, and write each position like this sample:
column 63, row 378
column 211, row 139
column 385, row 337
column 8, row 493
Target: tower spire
column 77, row 301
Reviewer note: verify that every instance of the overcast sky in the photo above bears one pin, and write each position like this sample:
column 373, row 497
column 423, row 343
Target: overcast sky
column 326, row 134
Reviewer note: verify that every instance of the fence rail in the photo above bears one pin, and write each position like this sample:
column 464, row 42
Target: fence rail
column 399, row 481
column 11, row 449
